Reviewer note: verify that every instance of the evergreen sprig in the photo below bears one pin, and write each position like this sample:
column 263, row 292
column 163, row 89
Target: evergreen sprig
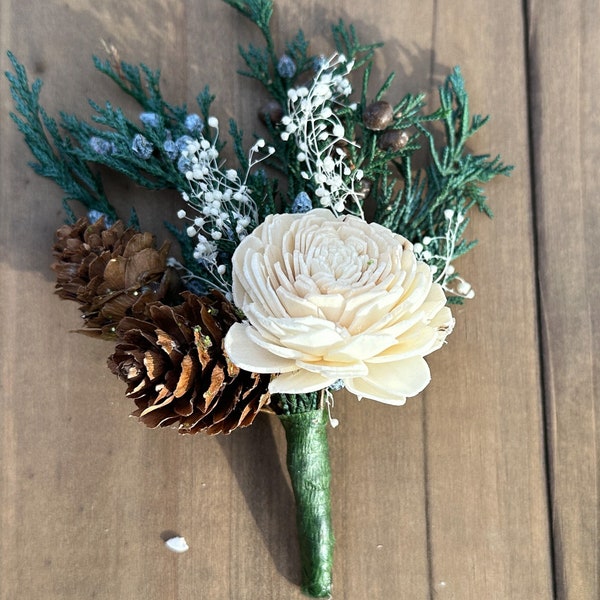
column 258, row 11
column 55, row 154
column 452, row 181
column 66, row 150
column 147, row 149
column 413, row 202
column 262, row 62
column 143, row 85
column 165, row 125
column 346, row 42
column 154, row 172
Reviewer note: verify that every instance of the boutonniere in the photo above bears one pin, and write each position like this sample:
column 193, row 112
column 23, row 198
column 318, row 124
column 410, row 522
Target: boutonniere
column 317, row 257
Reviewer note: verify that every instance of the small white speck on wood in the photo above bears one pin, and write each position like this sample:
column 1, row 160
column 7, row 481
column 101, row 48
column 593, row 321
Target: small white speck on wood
column 177, row 544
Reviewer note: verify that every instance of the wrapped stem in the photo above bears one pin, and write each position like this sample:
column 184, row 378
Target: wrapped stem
column 310, row 473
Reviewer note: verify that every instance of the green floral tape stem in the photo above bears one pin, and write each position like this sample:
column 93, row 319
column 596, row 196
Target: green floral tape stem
column 310, row 472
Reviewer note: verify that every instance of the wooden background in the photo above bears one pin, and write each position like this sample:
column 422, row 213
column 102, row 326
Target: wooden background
column 485, row 487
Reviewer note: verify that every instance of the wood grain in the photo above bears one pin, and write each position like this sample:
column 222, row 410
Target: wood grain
column 486, row 475
column 445, row 498
column 564, row 84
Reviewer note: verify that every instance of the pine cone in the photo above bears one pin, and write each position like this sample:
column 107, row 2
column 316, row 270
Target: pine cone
column 177, row 372
column 112, row 272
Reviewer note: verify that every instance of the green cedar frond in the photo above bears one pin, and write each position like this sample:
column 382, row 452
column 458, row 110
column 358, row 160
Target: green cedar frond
column 237, row 136
column 414, row 203
column 258, row 11
column 297, row 49
column 346, row 43
column 55, row 155
column 145, row 91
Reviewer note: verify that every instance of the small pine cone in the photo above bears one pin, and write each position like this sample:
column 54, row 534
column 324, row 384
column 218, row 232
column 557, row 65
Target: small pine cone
column 378, row 115
column 177, row 372
column 112, row 272
column 393, row 140
column 271, row 112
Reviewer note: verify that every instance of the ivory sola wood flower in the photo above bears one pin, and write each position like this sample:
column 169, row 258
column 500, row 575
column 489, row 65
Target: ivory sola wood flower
column 333, row 297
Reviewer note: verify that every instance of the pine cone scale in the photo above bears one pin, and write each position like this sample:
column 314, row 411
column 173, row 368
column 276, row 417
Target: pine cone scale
column 137, row 243
column 114, row 275
column 169, row 346
column 203, row 343
column 155, row 365
column 186, row 379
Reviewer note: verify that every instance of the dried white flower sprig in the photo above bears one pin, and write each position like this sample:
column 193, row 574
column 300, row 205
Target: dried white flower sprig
column 439, row 251
column 320, row 136
column 220, row 201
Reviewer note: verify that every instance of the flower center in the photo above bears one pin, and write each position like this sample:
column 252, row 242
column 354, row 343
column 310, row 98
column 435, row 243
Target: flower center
column 335, row 260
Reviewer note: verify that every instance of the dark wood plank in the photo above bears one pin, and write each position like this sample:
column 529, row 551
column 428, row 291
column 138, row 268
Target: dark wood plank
column 564, row 67
column 487, row 488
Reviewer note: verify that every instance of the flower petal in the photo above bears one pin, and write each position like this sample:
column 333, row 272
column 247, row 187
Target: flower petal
column 336, row 370
column 299, row 382
column 361, row 347
column 330, row 306
column 284, row 351
column 241, row 286
column 314, row 340
column 296, row 306
column 435, row 300
column 419, row 341
column 247, row 355
column 389, row 382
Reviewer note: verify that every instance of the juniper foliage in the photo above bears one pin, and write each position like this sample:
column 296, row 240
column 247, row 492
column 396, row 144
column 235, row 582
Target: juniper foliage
column 412, row 202
column 147, row 149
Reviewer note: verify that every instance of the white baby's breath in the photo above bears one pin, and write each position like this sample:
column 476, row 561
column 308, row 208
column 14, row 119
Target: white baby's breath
column 318, row 132
column 441, row 258
column 222, row 207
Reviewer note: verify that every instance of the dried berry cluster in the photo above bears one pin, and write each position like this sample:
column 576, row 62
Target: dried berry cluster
column 379, row 116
